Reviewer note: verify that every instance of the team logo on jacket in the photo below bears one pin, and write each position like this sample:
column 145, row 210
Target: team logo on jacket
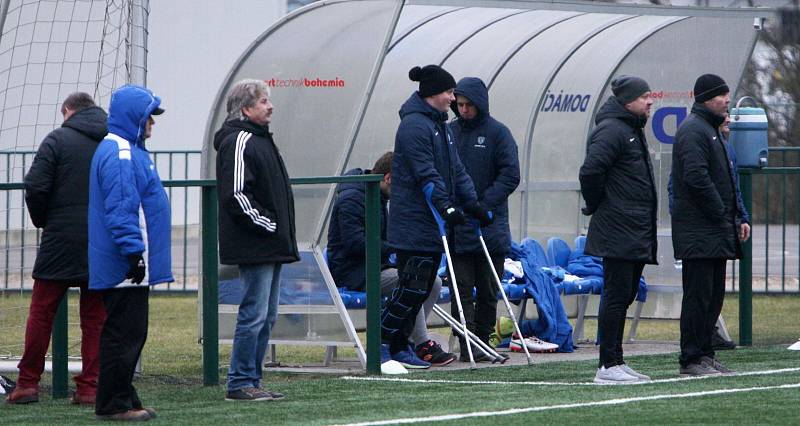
column 632, row 140
column 481, row 142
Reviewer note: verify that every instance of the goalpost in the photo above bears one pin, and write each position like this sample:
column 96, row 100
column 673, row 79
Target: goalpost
column 49, row 49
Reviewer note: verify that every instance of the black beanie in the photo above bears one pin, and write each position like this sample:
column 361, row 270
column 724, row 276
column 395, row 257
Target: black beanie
column 433, row 80
column 627, row 88
column 709, row 86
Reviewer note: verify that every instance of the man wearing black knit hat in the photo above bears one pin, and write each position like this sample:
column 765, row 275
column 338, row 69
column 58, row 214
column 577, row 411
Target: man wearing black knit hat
column 425, row 155
column 705, row 215
column 619, row 189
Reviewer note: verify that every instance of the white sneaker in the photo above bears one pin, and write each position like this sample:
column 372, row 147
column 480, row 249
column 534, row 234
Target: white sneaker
column 614, row 375
column 392, row 367
column 534, row 344
column 632, row 372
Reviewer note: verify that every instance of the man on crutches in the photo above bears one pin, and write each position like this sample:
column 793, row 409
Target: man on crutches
column 489, row 154
column 424, row 154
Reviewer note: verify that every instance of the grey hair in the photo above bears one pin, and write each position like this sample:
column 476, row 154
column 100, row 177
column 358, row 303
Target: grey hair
column 245, row 93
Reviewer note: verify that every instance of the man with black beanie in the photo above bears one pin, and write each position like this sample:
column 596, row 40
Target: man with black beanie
column 425, row 156
column 619, row 189
column 706, row 222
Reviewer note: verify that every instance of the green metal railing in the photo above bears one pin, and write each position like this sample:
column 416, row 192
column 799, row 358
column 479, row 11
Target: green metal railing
column 210, row 286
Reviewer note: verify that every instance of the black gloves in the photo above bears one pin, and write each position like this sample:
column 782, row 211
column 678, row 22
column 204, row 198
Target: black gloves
column 136, row 268
column 485, row 217
column 453, row 216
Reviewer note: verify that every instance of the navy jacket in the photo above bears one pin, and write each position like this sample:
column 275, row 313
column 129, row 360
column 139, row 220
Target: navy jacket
column 618, row 186
column 705, row 213
column 57, row 195
column 122, row 180
column 424, row 152
column 489, row 154
column 347, row 235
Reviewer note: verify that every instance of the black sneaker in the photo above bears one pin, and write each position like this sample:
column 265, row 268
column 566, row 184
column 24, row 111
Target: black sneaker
column 433, row 353
column 719, row 343
column 477, row 356
column 249, row 394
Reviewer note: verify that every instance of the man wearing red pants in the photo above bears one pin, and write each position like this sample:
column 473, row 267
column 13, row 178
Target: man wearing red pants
column 57, row 195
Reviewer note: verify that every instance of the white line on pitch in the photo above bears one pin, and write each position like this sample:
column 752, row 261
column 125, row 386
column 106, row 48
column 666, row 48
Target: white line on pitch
column 617, row 401
column 500, row 382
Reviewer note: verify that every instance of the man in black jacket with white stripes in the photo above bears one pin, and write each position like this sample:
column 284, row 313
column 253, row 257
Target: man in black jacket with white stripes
column 256, row 229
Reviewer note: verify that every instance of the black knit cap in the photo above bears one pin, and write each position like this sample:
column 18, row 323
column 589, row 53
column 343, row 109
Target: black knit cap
column 627, row 88
column 433, row 80
column 709, row 86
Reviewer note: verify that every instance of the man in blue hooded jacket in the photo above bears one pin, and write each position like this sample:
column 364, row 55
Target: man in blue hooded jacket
column 489, row 154
column 122, row 182
column 425, row 156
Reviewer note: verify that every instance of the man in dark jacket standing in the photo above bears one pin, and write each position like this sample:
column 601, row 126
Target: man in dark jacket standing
column 489, row 154
column 347, row 254
column 256, row 229
column 57, row 195
column 707, row 224
column 425, row 158
column 618, row 186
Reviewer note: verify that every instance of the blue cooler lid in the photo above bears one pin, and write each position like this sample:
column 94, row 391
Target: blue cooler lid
column 748, row 118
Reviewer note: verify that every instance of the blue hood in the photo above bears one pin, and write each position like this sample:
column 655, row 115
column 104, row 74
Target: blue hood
column 129, row 110
column 475, row 90
column 415, row 104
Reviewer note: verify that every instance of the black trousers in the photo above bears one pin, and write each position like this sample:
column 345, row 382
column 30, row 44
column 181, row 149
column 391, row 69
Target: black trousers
column 703, row 294
column 620, row 285
column 416, row 274
column 121, row 343
column 473, row 271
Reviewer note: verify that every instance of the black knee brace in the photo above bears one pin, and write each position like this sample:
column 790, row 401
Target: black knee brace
column 401, row 309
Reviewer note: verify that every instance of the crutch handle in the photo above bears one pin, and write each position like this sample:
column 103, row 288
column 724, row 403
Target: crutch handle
column 428, row 191
column 477, row 223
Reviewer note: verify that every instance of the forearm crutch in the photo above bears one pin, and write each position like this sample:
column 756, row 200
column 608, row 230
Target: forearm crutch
column 471, row 337
column 428, row 190
column 503, row 293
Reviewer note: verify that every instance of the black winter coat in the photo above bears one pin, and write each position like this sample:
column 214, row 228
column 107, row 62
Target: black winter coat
column 705, row 212
column 347, row 235
column 489, row 154
column 57, row 195
column 256, row 205
column 618, row 186
column 424, row 153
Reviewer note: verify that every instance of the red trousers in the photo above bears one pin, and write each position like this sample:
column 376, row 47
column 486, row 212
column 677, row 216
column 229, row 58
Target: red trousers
column 44, row 303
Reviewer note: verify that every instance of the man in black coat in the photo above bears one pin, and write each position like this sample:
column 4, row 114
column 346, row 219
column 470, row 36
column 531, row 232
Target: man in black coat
column 489, row 153
column 707, row 222
column 619, row 189
column 256, row 229
column 57, row 195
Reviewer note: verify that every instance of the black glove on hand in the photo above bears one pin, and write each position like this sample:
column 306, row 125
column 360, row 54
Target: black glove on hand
column 136, row 268
column 479, row 212
column 453, row 216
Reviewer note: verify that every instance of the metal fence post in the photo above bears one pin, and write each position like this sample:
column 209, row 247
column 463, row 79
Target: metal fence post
column 373, row 258
column 746, row 266
column 210, row 287
column 59, row 350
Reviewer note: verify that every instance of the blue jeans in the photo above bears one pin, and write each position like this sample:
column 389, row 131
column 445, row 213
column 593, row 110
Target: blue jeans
column 257, row 314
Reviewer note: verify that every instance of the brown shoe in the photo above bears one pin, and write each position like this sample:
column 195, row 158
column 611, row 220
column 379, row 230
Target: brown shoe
column 23, row 396
column 149, row 410
column 132, row 415
column 82, row 400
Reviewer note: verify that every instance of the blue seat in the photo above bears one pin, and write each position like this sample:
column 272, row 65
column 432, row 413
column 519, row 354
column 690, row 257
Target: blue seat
column 558, row 252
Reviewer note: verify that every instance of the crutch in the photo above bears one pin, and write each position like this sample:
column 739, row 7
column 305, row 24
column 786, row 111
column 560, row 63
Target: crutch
column 503, row 293
column 428, row 190
column 471, row 337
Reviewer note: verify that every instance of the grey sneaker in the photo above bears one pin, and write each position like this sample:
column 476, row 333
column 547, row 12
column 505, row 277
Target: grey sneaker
column 716, row 365
column 632, row 372
column 249, row 394
column 697, row 369
column 614, row 376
